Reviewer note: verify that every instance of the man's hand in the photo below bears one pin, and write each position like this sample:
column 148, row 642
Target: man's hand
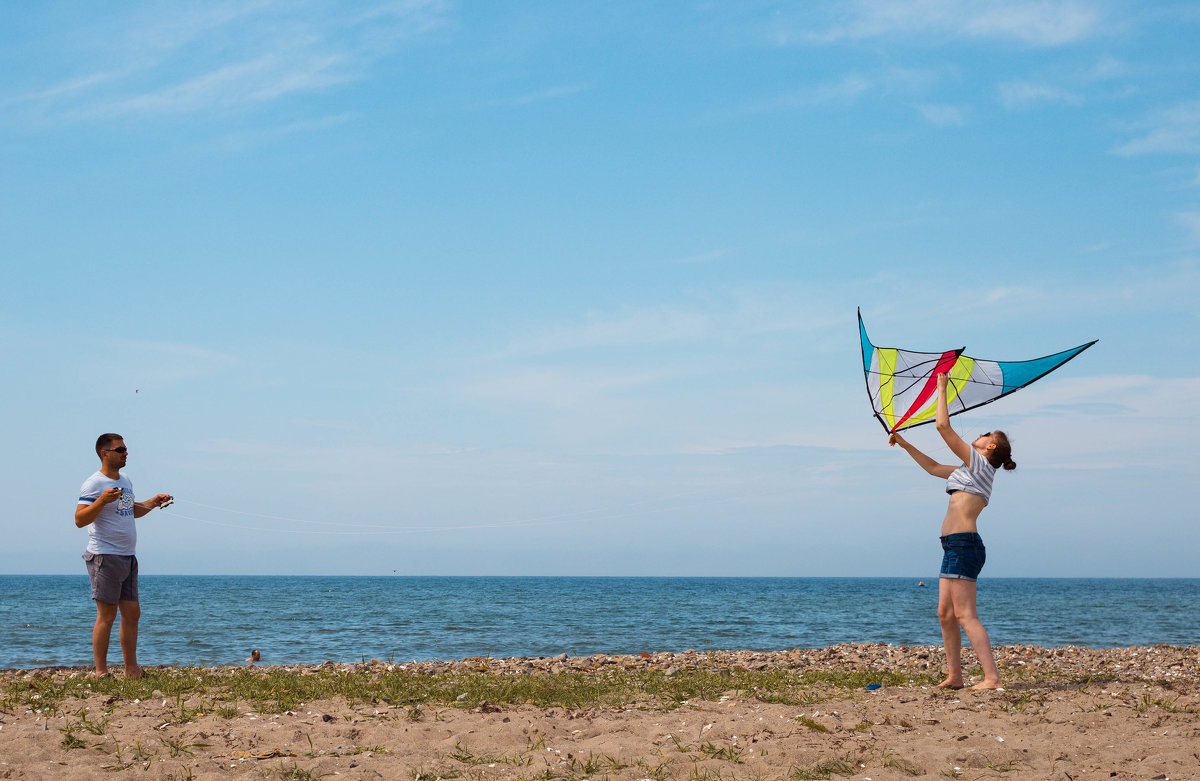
column 109, row 495
column 161, row 500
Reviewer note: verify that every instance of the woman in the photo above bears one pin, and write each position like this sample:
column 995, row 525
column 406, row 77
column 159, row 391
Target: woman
column 970, row 487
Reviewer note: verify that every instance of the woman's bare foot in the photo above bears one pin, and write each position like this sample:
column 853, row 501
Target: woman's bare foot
column 986, row 684
column 133, row 672
column 951, row 683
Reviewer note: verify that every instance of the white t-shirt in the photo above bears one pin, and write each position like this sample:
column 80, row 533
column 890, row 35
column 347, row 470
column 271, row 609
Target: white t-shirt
column 974, row 478
column 114, row 531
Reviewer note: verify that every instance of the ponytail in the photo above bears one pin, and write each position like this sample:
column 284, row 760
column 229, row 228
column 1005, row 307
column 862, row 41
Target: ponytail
column 1001, row 455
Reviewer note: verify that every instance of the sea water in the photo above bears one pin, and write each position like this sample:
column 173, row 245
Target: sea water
column 47, row 619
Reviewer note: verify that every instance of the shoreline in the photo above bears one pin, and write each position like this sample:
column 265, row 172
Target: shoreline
column 715, row 715
column 1154, row 662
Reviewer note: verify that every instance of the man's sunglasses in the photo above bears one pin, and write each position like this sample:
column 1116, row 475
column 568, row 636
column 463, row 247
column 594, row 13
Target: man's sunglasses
column 121, row 449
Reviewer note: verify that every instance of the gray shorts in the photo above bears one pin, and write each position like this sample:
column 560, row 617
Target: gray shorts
column 114, row 578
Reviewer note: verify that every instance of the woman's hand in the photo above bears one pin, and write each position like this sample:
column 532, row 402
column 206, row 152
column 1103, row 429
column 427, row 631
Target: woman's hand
column 895, row 439
column 943, row 380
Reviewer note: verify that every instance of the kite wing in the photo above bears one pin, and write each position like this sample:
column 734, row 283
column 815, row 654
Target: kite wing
column 902, row 384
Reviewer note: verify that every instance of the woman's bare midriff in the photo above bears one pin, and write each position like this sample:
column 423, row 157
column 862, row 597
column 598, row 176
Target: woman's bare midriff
column 963, row 513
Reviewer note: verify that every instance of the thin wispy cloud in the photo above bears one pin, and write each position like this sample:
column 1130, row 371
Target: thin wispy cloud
column 539, row 96
column 702, row 257
column 1108, row 67
column 189, row 352
column 846, row 90
column 566, row 388
column 247, row 139
column 1190, row 221
column 1173, row 131
column 1031, row 22
column 842, row 91
column 1002, row 295
column 724, row 319
column 942, row 115
column 1020, row 95
column 63, row 90
column 178, row 59
column 647, row 327
column 264, row 79
column 161, row 364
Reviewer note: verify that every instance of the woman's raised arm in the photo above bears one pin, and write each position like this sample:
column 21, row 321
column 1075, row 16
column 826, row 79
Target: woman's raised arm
column 953, row 440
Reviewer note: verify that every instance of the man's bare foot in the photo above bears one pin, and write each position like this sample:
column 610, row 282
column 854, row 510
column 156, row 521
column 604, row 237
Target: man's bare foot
column 133, row 672
column 951, row 683
column 98, row 675
column 986, row 684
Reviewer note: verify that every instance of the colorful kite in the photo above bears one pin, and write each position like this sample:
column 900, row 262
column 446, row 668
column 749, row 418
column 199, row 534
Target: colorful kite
column 902, row 384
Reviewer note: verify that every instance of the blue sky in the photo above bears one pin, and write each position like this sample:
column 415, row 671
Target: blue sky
column 554, row 288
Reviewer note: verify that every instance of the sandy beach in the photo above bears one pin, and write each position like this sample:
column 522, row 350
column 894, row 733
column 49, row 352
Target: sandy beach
column 1065, row 713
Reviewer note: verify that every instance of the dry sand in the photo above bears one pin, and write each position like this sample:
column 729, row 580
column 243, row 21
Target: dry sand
column 1065, row 713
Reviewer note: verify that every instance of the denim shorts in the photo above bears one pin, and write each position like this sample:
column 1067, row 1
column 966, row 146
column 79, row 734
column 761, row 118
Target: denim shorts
column 114, row 578
column 963, row 556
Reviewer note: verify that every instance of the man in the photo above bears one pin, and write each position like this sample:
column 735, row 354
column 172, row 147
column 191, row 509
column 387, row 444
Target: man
column 107, row 508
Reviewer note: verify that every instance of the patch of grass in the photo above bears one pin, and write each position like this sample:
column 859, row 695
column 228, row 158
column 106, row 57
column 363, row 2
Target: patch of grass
column 1147, row 703
column 658, row 772
column 224, row 710
column 466, row 757
column 903, row 765
column 822, row 769
column 862, row 725
column 1023, row 702
column 597, row 764
column 270, row 690
column 813, row 725
column 141, row 754
column 69, row 740
column 178, row 748
column 368, row 750
column 120, row 764
column 727, row 753
column 704, row 774
column 94, row 727
column 297, row 773
column 435, row 774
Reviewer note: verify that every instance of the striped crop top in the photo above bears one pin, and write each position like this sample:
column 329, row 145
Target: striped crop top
column 974, row 478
